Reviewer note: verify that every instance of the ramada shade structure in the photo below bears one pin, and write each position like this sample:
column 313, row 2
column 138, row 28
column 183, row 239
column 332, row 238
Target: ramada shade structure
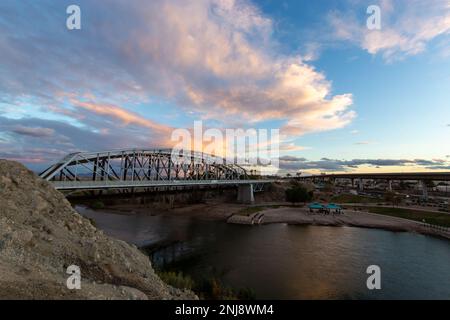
column 316, row 206
column 333, row 206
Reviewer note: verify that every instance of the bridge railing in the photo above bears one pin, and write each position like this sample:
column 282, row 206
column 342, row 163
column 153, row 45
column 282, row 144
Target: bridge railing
column 109, row 184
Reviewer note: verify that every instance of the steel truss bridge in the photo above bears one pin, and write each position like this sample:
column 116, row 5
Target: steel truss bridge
column 146, row 169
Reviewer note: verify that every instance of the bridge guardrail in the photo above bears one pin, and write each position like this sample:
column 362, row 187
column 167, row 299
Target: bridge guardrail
column 109, row 184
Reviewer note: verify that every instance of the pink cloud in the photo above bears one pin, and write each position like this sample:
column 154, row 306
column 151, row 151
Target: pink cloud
column 121, row 114
column 215, row 58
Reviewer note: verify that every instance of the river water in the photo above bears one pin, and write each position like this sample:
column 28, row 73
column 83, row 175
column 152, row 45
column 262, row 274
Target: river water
column 291, row 262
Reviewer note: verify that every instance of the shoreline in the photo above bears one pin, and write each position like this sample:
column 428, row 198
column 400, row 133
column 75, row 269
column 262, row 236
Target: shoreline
column 351, row 218
column 231, row 213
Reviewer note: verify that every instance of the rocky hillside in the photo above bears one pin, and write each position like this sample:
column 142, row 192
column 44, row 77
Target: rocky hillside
column 41, row 235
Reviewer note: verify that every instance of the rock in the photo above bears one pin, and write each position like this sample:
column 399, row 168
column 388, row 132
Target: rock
column 133, row 293
column 22, row 236
column 41, row 236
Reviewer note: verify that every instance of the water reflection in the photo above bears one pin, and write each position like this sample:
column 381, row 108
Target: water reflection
column 292, row 262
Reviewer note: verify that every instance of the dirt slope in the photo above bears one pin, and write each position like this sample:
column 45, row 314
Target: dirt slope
column 41, row 235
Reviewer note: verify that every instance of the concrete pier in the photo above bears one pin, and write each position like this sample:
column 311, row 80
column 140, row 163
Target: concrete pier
column 423, row 186
column 245, row 194
column 361, row 185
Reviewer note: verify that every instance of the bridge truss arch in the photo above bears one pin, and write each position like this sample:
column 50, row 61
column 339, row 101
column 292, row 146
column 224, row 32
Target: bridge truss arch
column 143, row 168
column 142, row 165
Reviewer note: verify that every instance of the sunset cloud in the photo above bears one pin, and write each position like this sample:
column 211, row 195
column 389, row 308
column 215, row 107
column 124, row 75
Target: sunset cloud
column 291, row 163
column 124, row 116
column 68, row 138
column 216, row 58
column 139, row 69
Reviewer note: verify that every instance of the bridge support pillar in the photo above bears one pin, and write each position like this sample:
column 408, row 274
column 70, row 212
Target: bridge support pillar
column 245, row 194
column 423, row 186
column 361, row 185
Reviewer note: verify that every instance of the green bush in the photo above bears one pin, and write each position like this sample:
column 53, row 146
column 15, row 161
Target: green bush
column 212, row 288
column 176, row 279
column 297, row 194
column 206, row 287
column 97, row 205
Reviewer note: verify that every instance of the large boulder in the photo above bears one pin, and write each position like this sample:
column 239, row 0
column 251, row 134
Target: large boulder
column 41, row 236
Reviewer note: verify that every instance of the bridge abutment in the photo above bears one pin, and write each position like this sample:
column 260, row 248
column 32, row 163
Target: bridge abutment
column 245, row 194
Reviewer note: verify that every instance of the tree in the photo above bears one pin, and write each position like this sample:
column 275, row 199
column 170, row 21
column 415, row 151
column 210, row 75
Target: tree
column 392, row 198
column 297, row 194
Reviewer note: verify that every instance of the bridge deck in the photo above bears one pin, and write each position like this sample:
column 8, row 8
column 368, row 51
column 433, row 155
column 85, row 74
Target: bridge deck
column 104, row 185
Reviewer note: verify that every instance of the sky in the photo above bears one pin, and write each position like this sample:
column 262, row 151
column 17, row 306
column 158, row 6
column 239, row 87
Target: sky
column 344, row 97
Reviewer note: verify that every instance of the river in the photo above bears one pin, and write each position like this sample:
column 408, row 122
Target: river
column 290, row 262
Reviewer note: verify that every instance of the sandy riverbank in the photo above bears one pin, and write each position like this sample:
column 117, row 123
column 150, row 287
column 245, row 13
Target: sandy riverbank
column 350, row 218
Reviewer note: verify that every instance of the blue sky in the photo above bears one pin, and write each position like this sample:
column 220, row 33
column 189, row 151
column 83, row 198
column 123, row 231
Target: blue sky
column 344, row 97
column 401, row 103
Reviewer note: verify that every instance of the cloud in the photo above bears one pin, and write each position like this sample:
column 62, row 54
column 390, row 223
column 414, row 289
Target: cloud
column 215, row 58
column 407, row 27
column 122, row 115
column 292, row 159
column 326, row 164
column 440, row 167
column 67, row 138
column 290, row 146
column 33, row 132
column 434, row 162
